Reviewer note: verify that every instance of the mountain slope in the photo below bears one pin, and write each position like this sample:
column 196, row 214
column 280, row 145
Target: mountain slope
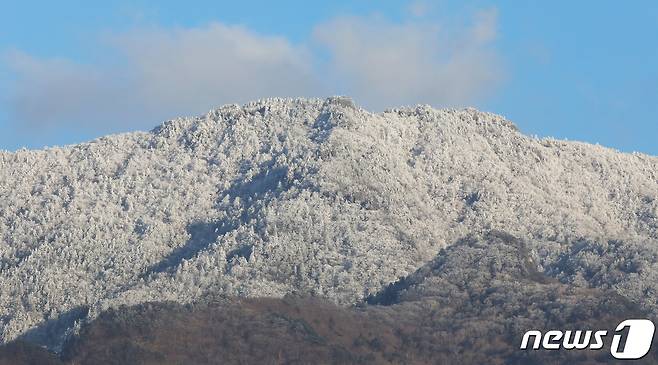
column 471, row 304
column 315, row 197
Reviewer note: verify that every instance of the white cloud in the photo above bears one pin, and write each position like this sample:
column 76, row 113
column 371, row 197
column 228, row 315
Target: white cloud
column 53, row 90
column 198, row 68
column 386, row 64
column 163, row 73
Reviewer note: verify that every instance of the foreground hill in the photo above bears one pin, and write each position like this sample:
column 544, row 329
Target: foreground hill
column 469, row 305
column 312, row 198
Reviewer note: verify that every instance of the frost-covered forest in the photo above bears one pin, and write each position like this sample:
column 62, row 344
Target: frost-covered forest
column 315, row 197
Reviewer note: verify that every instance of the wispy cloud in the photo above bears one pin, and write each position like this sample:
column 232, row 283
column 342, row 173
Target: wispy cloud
column 384, row 64
column 49, row 90
column 163, row 73
column 192, row 69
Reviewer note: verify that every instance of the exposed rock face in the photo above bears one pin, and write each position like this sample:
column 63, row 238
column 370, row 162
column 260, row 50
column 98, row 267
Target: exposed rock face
column 311, row 197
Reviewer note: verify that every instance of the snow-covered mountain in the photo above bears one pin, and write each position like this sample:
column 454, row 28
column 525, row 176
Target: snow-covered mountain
column 315, row 197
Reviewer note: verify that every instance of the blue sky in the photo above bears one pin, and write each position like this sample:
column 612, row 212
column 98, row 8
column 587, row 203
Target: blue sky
column 71, row 71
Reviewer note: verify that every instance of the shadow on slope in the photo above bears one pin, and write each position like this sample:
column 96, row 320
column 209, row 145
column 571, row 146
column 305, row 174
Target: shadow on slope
column 25, row 353
column 51, row 332
column 499, row 256
column 202, row 234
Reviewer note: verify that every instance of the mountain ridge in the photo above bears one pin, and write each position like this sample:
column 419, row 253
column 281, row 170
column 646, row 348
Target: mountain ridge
column 316, row 197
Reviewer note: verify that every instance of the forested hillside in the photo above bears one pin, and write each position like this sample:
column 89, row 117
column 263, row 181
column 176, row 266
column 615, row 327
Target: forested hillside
column 310, row 198
column 471, row 304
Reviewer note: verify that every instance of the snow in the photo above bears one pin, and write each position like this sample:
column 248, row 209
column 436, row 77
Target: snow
column 310, row 196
